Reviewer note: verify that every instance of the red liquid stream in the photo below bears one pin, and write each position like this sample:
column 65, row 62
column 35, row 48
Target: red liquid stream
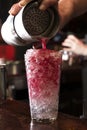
column 43, row 42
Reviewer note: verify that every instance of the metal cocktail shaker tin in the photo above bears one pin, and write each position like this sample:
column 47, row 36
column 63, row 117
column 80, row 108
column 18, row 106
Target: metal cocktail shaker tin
column 30, row 24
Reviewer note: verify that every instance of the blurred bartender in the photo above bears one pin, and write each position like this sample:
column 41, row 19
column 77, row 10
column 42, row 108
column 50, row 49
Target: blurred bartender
column 75, row 45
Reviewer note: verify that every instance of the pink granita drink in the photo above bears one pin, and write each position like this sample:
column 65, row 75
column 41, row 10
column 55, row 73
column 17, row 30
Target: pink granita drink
column 43, row 68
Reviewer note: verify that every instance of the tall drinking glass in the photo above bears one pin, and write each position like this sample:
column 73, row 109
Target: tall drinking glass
column 43, row 68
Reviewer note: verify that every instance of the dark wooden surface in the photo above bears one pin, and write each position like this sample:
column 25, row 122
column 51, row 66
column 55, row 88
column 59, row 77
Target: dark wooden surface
column 14, row 115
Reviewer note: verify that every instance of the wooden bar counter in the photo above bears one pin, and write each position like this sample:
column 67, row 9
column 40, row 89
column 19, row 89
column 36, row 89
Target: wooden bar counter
column 14, row 115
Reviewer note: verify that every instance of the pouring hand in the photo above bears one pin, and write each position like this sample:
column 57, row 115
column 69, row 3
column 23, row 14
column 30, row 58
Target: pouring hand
column 43, row 6
column 15, row 9
column 67, row 9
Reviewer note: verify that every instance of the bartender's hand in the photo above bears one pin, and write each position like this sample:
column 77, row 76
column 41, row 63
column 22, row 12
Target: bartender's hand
column 43, row 6
column 75, row 45
column 67, row 9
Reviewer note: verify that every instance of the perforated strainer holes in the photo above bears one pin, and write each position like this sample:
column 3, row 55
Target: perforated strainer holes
column 36, row 21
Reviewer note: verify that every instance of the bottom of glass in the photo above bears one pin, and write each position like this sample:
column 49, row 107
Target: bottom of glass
column 44, row 121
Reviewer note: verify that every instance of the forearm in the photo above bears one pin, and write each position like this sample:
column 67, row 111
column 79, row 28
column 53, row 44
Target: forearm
column 69, row 9
column 80, row 7
column 65, row 10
